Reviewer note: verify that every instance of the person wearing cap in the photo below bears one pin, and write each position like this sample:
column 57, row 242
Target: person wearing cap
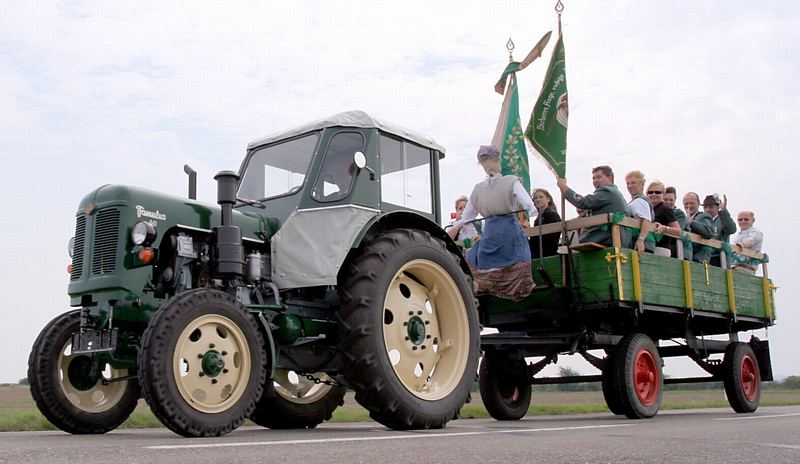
column 750, row 238
column 699, row 223
column 723, row 223
column 501, row 260
column 606, row 198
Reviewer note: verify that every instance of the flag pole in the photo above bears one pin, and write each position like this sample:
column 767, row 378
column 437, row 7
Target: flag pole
column 564, row 240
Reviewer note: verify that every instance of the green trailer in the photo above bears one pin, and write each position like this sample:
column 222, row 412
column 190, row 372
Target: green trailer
column 638, row 309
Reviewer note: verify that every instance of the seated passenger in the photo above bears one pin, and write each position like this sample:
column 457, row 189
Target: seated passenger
column 469, row 231
column 606, row 198
column 500, row 261
column 663, row 218
column 547, row 215
column 670, row 195
column 748, row 237
column 699, row 223
column 722, row 221
column 640, row 208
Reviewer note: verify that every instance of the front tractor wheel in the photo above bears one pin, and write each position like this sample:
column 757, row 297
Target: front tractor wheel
column 293, row 401
column 742, row 378
column 202, row 364
column 408, row 329
column 76, row 392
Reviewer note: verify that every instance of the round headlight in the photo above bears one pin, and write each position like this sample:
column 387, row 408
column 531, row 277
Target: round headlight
column 71, row 246
column 143, row 232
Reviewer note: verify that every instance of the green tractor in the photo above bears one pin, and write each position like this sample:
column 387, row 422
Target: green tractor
column 322, row 268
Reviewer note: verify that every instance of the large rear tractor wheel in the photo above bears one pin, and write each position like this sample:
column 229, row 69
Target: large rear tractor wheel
column 505, row 389
column 292, row 401
column 741, row 377
column 202, row 364
column 637, row 378
column 77, row 392
column 408, row 330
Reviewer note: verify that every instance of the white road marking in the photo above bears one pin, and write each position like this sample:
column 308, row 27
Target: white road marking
column 771, row 416
column 413, row 436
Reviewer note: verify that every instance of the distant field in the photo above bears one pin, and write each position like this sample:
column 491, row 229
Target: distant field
column 18, row 412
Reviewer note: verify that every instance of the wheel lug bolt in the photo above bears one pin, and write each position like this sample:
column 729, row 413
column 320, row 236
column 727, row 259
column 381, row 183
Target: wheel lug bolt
column 407, row 338
column 427, row 322
column 199, row 356
column 224, row 353
column 405, row 324
column 213, row 380
column 411, row 313
column 414, row 348
column 419, row 313
column 427, row 336
column 423, row 347
column 211, row 345
column 201, row 374
column 224, row 371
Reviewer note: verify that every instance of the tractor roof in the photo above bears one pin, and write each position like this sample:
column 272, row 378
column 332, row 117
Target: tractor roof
column 351, row 119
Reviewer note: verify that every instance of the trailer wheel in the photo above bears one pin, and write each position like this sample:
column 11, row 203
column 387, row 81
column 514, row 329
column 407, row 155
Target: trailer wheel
column 408, row 330
column 71, row 390
column 741, row 376
column 637, row 377
column 202, row 364
column 609, row 393
column 505, row 390
column 291, row 401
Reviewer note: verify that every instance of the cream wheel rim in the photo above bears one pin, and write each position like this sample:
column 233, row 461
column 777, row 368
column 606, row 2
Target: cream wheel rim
column 426, row 329
column 211, row 364
column 297, row 388
column 99, row 398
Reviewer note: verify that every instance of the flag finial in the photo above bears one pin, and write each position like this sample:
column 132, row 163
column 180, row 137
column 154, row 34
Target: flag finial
column 510, row 47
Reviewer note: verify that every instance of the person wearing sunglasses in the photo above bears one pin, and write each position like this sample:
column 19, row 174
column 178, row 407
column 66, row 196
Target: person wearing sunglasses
column 664, row 220
column 748, row 237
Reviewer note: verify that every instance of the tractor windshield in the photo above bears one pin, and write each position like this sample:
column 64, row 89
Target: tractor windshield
column 278, row 169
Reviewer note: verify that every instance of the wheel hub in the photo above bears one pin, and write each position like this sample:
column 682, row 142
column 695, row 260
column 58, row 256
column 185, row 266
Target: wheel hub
column 83, row 373
column 416, row 330
column 212, row 363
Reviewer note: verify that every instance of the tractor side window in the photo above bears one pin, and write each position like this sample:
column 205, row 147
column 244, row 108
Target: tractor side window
column 406, row 175
column 335, row 178
column 278, row 169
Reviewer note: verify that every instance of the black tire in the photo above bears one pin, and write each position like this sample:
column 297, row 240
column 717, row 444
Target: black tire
column 408, row 330
column 741, row 377
column 637, row 377
column 66, row 391
column 505, row 389
column 296, row 405
column 202, row 364
column 613, row 401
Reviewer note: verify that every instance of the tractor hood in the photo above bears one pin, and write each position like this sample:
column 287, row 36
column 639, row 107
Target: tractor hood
column 167, row 211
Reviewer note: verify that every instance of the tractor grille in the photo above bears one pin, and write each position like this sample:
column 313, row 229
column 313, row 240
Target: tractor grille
column 106, row 232
column 77, row 253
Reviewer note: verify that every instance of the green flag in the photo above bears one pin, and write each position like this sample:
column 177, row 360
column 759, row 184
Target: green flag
column 547, row 128
column 508, row 137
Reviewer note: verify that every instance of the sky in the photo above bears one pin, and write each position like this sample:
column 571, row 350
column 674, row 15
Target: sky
column 701, row 95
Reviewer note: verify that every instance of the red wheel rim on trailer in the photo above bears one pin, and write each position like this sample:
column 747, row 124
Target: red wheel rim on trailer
column 749, row 378
column 645, row 377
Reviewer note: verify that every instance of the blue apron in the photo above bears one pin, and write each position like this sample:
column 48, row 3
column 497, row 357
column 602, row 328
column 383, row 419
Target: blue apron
column 502, row 244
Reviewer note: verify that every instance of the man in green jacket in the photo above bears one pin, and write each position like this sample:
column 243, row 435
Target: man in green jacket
column 700, row 223
column 723, row 223
column 606, row 198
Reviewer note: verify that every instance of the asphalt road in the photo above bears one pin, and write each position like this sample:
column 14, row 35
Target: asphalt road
column 771, row 435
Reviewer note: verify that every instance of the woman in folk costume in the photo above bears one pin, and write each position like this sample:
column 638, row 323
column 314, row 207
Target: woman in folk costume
column 501, row 260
